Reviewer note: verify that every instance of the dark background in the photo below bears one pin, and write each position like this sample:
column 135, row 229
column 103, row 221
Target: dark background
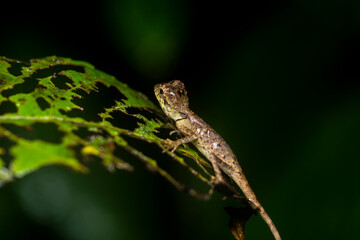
column 278, row 79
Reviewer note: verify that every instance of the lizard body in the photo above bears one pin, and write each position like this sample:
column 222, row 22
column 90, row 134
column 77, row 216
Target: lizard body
column 173, row 100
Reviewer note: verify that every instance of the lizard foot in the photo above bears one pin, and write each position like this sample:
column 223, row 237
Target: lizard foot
column 217, row 183
column 221, row 185
column 169, row 144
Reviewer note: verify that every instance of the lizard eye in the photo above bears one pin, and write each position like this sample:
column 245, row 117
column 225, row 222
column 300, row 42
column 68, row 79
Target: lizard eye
column 161, row 91
column 181, row 93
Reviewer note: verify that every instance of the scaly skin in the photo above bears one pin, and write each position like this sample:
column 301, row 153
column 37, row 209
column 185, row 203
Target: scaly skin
column 173, row 100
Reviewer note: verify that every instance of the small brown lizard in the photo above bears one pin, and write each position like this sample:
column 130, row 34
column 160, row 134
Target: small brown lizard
column 173, row 100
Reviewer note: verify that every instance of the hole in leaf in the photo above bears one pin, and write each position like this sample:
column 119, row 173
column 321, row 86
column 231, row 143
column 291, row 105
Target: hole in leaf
column 40, row 131
column 6, row 144
column 94, row 103
column 60, row 81
column 77, row 151
column 125, row 155
column 163, row 160
column 30, row 83
column 16, row 67
column 86, row 133
column 144, row 112
column 164, row 133
column 27, row 86
column 7, row 107
column 50, row 71
column 125, row 121
column 149, row 149
column 43, row 104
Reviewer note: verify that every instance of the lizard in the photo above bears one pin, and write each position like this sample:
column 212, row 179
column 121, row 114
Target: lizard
column 174, row 102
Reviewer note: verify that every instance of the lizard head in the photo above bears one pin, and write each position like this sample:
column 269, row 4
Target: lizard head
column 173, row 98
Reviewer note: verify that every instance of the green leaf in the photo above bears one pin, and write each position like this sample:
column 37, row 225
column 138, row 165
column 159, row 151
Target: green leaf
column 30, row 155
column 48, row 118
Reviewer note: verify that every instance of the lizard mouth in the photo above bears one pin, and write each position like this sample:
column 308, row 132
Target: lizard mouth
column 166, row 104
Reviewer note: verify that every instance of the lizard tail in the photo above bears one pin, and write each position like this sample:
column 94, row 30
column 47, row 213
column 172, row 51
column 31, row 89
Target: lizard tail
column 242, row 182
column 269, row 222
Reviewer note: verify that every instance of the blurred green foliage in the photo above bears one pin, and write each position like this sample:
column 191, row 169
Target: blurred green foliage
column 278, row 80
column 149, row 33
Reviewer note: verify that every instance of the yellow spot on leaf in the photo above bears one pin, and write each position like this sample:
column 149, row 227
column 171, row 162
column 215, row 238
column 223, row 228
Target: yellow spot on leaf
column 89, row 150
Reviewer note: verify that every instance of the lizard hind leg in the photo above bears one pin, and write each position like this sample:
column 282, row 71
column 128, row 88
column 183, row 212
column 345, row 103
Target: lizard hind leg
column 220, row 182
column 219, row 178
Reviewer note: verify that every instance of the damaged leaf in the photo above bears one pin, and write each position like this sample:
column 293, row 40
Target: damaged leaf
column 50, row 115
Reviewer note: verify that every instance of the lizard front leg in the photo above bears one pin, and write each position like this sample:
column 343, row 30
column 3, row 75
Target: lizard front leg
column 173, row 145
